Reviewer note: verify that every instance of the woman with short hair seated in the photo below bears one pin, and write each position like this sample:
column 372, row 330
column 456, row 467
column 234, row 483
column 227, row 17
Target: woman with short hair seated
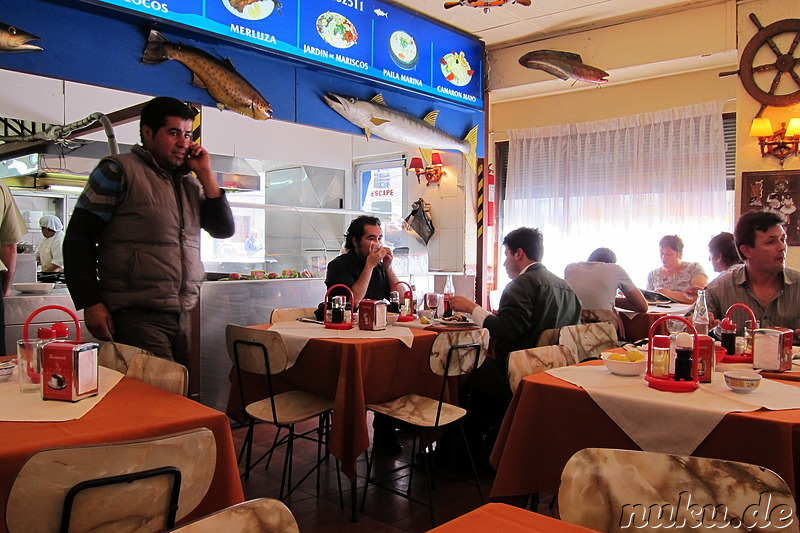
column 676, row 279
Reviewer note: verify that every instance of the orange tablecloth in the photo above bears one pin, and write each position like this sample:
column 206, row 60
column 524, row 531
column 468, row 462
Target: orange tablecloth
column 506, row 518
column 132, row 410
column 354, row 372
column 549, row 420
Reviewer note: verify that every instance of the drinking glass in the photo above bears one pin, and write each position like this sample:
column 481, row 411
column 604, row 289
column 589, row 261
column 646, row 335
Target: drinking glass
column 675, row 326
column 29, row 365
column 748, row 336
column 432, row 302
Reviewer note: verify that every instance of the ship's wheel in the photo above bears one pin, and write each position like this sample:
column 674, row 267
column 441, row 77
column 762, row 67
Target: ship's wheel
column 775, row 83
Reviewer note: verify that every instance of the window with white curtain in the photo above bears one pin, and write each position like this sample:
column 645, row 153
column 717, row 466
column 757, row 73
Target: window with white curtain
column 621, row 183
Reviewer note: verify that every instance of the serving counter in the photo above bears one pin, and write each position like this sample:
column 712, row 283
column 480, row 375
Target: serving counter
column 243, row 302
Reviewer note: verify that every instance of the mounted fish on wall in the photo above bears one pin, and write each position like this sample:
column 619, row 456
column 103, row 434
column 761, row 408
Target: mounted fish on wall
column 13, row 39
column 485, row 4
column 219, row 78
column 564, row 65
column 393, row 125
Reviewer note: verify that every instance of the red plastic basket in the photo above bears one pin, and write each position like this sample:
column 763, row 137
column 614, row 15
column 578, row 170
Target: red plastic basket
column 333, row 325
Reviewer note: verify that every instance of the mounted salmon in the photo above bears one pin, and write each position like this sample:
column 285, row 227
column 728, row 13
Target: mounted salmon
column 393, row 125
column 13, row 39
column 219, row 78
column 485, row 4
column 564, row 65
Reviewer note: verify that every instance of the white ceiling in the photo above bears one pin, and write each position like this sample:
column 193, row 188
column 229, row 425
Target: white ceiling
column 516, row 24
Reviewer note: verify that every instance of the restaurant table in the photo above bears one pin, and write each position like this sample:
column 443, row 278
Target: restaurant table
column 637, row 325
column 506, row 518
column 550, row 419
column 354, row 372
column 132, row 410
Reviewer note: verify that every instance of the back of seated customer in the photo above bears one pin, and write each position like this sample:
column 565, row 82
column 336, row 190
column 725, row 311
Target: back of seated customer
column 676, row 279
column 722, row 252
column 596, row 282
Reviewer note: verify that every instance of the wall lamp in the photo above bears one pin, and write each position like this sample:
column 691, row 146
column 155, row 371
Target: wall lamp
column 779, row 143
column 433, row 173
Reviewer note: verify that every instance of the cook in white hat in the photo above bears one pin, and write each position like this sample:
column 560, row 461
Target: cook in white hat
column 49, row 254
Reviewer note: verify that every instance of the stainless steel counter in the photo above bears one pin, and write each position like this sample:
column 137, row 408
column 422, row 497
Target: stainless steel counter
column 243, row 303
column 19, row 306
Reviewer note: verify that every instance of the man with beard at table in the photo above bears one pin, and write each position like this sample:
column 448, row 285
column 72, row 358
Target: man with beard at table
column 764, row 283
column 366, row 268
column 534, row 300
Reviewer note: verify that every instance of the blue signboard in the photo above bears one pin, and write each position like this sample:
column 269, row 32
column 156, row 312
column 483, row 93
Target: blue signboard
column 369, row 37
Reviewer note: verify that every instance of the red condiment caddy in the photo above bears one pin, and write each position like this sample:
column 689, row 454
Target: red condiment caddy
column 745, row 357
column 668, row 383
column 408, row 295
column 349, row 299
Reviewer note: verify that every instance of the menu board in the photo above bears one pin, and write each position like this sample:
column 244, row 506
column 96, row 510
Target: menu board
column 369, row 37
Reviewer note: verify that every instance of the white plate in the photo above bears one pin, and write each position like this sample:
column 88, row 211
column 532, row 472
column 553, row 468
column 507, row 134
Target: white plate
column 448, row 323
column 33, row 288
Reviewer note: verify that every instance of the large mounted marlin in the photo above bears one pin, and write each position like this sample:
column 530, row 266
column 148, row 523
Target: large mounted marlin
column 393, row 125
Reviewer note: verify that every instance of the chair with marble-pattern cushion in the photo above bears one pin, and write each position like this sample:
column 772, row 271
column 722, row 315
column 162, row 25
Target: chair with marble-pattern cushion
column 626, row 490
column 587, row 341
column 523, row 363
column 117, row 356
column 262, row 515
column 287, row 314
column 548, row 337
column 159, row 372
column 261, row 351
column 422, row 415
column 40, row 495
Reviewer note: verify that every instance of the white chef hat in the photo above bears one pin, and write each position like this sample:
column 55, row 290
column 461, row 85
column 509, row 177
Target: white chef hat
column 51, row 222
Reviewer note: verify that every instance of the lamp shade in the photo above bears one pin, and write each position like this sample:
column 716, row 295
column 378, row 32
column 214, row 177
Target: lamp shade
column 436, row 159
column 761, row 127
column 416, row 165
column 793, row 129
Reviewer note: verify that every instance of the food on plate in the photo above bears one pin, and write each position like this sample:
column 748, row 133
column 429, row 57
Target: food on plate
column 634, row 356
column 424, row 320
column 456, row 318
column 403, row 50
column 252, row 9
column 618, row 357
column 235, row 275
column 456, row 69
column 273, row 275
column 336, row 30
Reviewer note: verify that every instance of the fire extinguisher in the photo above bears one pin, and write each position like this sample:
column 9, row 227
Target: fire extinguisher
column 489, row 196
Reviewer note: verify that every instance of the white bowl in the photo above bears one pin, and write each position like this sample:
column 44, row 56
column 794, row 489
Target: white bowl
column 624, row 368
column 391, row 318
column 6, row 370
column 33, row 287
column 742, row 382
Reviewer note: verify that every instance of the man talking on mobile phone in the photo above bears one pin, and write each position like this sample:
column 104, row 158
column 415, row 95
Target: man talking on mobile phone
column 132, row 248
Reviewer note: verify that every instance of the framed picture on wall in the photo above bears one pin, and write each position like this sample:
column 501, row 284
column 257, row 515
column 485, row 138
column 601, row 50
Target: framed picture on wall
column 777, row 191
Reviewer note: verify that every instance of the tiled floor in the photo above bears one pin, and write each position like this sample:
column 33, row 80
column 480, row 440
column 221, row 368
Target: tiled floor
column 384, row 511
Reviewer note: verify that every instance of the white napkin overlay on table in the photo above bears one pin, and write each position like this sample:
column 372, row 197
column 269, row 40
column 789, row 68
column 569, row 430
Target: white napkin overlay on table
column 671, row 422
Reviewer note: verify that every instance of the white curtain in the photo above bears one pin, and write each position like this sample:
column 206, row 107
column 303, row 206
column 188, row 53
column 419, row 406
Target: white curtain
column 621, row 183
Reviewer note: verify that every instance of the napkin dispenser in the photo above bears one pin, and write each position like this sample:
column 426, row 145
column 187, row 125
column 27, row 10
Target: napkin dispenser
column 69, row 370
column 372, row 314
column 772, row 349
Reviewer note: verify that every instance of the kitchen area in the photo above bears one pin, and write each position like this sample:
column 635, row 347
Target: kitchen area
column 294, row 182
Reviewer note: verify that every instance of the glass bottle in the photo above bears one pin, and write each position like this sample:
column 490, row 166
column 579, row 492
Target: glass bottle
column 660, row 365
column 449, row 292
column 728, row 335
column 700, row 315
column 683, row 357
column 394, row 302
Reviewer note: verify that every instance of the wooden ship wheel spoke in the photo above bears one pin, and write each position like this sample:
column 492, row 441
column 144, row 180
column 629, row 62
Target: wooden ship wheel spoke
column 785, row 63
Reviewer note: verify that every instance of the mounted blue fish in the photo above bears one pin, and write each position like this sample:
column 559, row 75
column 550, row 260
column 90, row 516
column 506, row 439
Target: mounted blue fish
column 564, row 65
column 228, row 88
column 13, row 39
column 393, row 125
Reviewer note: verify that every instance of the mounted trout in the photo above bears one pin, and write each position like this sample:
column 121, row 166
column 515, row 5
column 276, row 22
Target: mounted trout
column 564, row 65
column 16, row 40
column 393, row 125
column 219, row 78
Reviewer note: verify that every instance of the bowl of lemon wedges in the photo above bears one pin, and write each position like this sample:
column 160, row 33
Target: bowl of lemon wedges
column 630, row 363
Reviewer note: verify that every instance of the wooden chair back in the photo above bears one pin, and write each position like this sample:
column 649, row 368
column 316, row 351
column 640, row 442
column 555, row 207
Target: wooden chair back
column 160, row 372
column 287, row 314
column 117, row 356
column 523, row 363
column 116, row 487
column 625, row 490
column 263, row 515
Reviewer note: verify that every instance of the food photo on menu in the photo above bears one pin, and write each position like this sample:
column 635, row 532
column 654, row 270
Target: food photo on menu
column 252, row 9
column 403, row 50
column 456, row 68
column 336, row 30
